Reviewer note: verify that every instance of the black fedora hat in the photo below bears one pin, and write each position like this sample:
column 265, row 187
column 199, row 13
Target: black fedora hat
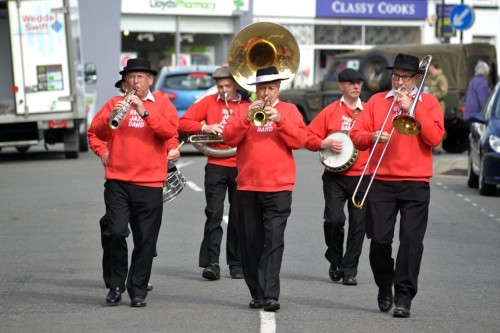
column 350, row 75
column 118, row 83
column 407, row 62
column 268, row 74
column 138, row 65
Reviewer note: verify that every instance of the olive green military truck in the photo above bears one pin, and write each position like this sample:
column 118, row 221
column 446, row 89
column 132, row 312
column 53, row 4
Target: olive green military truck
column 456, row 60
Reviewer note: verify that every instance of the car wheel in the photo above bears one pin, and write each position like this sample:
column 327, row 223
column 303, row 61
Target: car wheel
column 485, row 189
column 472, row 178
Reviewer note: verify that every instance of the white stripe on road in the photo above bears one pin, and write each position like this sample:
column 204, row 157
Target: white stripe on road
column 267, row 322
column 193, row 186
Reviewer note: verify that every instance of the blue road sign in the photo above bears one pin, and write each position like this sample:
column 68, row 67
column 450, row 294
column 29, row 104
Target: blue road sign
column 462, row 17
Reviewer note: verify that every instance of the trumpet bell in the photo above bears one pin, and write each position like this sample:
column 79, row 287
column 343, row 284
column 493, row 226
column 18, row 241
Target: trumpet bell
column 406, row 125
column 258, row 117
column 261, row 45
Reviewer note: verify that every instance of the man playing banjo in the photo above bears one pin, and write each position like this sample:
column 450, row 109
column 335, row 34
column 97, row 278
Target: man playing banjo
column 329, row 133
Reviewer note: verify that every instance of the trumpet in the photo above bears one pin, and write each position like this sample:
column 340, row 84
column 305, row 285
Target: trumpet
column 404, row 124
column 258, row 116
column 115, row 122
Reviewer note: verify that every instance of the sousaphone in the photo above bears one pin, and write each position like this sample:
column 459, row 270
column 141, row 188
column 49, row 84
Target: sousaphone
column 261, row 45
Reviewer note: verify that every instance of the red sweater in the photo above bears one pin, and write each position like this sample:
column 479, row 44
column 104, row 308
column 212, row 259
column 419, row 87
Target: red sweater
column 137, row 151
column 211, row 110
column 333, row 118
column 407, row 157
column 264, row 156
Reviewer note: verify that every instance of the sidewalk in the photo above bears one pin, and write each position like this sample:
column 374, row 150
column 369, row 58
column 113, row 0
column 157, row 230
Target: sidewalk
column 450, row 164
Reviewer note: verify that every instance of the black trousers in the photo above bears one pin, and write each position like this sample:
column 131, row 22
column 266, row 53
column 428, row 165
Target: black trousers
column 142, row 208
column 106, row 250
column 411, row 200
column 218, row 180
column 263, row 218
column 338, row 190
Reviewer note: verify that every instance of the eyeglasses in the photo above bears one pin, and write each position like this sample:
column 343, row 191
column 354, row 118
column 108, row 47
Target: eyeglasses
column 405, row 78
column 138, row 77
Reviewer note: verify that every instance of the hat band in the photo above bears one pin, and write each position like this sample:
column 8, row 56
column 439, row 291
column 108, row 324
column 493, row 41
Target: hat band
column 267, row 78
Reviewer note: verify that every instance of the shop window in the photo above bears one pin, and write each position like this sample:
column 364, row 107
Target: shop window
column 333, row 34
column 376, row 35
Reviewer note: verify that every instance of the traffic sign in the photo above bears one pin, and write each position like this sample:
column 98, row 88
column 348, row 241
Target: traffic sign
column 462, row 17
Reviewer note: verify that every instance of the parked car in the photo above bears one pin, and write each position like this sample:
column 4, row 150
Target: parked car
column 484, row 147
column 184, row 84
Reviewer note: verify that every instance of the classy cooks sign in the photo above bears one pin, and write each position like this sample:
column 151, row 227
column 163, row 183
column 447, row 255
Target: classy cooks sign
column 372, row 9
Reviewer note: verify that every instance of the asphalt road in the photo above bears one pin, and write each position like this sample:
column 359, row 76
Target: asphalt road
column 50, row 274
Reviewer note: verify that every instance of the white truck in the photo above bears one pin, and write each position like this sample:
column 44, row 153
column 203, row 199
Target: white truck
column 42, row 76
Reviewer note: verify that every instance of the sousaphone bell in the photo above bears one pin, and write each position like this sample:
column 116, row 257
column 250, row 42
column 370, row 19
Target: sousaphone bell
column 260, row 45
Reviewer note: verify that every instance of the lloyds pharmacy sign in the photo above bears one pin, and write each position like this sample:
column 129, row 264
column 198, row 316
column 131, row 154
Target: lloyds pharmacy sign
column 185, row 7
column 372, row 9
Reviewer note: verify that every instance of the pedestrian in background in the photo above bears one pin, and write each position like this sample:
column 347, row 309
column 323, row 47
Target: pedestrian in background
column 478, row 90
column 437, row 84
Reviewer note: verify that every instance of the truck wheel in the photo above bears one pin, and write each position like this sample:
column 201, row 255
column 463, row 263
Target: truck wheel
column 373, row 67
column 22, row 149
column 83, row 141
column 71, row 142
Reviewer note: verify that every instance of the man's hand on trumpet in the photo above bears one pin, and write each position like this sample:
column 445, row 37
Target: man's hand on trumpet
column 272, row 113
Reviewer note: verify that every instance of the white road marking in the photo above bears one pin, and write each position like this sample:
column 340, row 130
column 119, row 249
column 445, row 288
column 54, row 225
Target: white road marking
column 267, row 322
column 193, row 186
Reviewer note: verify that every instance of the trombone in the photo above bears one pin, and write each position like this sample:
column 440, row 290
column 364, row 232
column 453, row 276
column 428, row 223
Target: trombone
column 405, row 124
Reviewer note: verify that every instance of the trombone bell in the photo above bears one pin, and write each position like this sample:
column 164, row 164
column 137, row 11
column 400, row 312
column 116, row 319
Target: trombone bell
column 406, row 125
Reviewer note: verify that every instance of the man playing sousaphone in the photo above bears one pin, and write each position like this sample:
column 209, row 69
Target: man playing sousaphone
column 209, row 116
column 329, row 132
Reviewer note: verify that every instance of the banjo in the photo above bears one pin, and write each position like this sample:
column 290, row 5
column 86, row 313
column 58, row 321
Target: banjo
column 338, row 162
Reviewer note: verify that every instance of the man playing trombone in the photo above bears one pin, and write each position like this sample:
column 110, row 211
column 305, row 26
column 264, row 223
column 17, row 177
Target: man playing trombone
column 400, row 180
column 209, row 116
column 329, row 132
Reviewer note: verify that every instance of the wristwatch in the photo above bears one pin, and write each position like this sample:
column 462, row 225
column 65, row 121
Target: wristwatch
column 146, row 113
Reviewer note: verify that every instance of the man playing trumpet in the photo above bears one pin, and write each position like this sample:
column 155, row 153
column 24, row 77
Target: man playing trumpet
column 266, row 177
column 338, row 187
column 401, row 182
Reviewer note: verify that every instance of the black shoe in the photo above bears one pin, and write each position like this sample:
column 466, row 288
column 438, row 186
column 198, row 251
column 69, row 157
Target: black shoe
column 335, row 274
column 138, row 302
column 114, row 296
column 271, row 304
column 236, row 272
column 256, row 303
column 150, row 287
column 349, row 280
column 212, row 272
column 385, row 299
column 401, row 311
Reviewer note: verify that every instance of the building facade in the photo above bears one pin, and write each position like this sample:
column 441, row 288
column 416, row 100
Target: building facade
column 185, row 32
